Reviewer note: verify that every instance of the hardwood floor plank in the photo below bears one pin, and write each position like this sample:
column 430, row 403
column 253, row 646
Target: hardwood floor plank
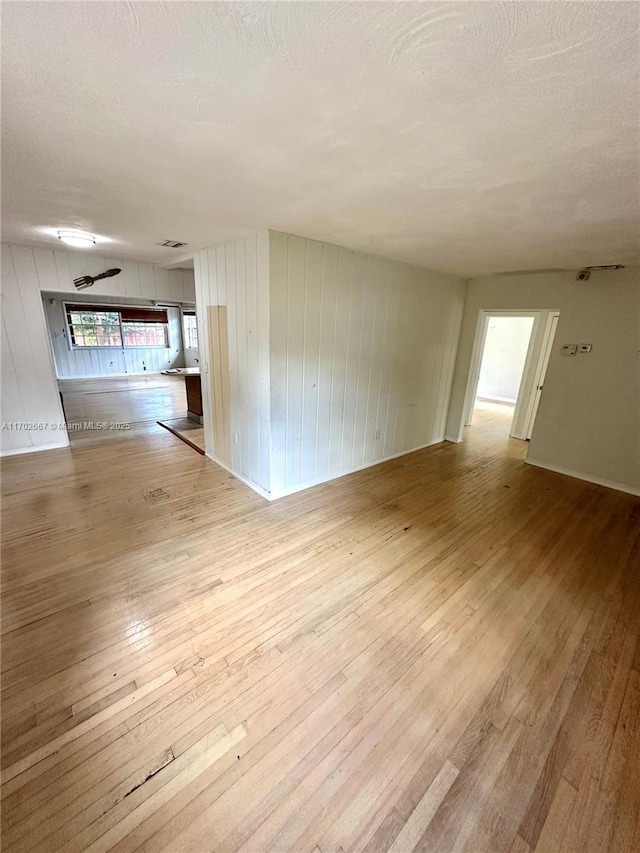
column 421, row 816
column 92, row 722
column 552, row 832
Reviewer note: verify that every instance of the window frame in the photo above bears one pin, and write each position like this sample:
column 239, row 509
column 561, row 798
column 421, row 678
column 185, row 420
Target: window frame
column 185, row 336
column 114, row 309
column 72, row 334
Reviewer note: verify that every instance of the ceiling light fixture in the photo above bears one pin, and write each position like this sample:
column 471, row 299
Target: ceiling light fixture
column 78, row 239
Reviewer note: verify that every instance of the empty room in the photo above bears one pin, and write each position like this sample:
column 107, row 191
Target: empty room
column 320, row 434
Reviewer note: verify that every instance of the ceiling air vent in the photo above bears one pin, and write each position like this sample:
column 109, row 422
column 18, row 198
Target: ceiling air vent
column 173, row 244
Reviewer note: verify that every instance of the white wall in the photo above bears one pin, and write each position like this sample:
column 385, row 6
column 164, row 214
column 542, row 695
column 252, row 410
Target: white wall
column 337, row 359
column 503, row 358
column 107, row 361
column 588, row 422
column 362, row 354
column 29, row 388
column 191, row 358
column 236, row 275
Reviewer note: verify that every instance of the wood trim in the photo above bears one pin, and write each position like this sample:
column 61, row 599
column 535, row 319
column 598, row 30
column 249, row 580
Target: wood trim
column 220, row 381
column 181, row 437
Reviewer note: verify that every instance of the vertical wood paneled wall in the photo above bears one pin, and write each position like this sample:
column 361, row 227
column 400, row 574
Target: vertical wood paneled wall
column 29, row 388
column 362, row 357
column 235, row 275
column 337, row 359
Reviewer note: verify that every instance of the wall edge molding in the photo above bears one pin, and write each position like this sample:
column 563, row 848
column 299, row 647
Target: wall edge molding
column 589, row 478
column 256, row 488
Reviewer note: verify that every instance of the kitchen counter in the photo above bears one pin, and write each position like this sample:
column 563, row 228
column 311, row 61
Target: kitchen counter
column 193, row 388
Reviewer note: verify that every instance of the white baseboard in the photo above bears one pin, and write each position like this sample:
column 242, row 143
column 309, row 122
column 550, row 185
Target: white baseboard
column 509, row 400
column 292, row 490
column 580, row 475
column 283, row 493
column 37, row 449
column 262, row 492
column 455, row 439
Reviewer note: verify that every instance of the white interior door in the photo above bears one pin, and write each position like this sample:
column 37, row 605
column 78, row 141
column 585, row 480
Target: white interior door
column 545, row 354
column 476, row 363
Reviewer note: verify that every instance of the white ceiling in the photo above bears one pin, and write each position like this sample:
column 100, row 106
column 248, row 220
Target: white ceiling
column 466, row 137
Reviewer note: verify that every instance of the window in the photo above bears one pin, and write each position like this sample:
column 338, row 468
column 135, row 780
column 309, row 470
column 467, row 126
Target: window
column 144, row 334
column 190, row 330
column 108, row 326
column 89, row 328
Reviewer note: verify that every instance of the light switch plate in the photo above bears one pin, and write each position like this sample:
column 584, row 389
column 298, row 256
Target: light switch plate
column 569, row 349
column 584, row 347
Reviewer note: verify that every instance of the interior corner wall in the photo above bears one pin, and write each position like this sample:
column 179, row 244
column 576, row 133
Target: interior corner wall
column 588, row 421
column 29, row 389
column 362, row 356
column 232, row 306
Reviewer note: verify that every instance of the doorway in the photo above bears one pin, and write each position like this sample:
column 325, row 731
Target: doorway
column 501, row 367
column 119, row 366
column 509, row 362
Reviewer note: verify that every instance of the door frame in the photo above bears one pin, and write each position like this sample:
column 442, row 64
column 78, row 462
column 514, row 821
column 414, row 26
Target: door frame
column 539, row 337
column 551, row 327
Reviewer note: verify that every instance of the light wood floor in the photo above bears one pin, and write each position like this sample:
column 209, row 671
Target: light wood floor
column 439, row 653
column 496, row 417
column 139, row 401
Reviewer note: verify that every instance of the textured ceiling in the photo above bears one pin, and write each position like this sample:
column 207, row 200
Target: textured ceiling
column 466, row 137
